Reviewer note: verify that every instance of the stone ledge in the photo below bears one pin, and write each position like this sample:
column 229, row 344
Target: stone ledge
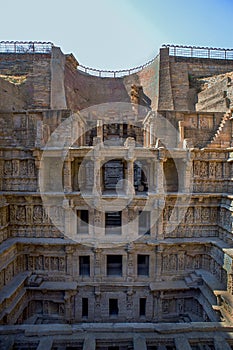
column 56, row 286
column 9, row 289
column 169, row 285
column 83, row 328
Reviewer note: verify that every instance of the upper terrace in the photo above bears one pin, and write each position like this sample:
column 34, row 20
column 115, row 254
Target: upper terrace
column 61, row 82
column 32, row 47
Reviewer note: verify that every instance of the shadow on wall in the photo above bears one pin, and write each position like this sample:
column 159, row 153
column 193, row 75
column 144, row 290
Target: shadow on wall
column 83, row 90
column 144, row 100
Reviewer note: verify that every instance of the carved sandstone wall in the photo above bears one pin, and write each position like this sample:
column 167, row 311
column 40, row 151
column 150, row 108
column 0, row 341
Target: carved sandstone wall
column 175, row 74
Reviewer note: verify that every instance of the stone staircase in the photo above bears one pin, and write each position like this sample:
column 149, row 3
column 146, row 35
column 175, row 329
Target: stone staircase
column 217, row 97
column 222, row 137
column 193, row 279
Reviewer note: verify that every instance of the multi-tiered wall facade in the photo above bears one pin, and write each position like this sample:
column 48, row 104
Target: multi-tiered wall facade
column 116, row 202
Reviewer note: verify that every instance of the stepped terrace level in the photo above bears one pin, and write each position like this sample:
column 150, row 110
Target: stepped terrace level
column 116, row 201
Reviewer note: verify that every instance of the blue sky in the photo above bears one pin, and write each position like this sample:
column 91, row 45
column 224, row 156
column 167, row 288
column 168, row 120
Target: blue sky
column 117, row 34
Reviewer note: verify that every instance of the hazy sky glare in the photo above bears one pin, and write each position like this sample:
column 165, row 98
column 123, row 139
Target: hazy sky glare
column 116, row 34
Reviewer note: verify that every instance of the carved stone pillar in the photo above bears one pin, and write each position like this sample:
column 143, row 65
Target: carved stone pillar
column 181, row 133
column 155, row 306
column 130, row 264
column 38, row 165
column 130, row 177
column 147, row 136
column 100, row 130
column 97, row 178
column 69, row 259
column 152, row 134
column 151, row 175
column 181, row 257
column 187, row 176
column 144, row 137
column 88, row 175
column 97, row 265
column 129, row 304
column 69, row 305
column 15, row 166
column 67, row 220
column 67, row 176
column 39, row 134
column 97, row 311
column 158, row 220
column 29, row 214
column 159, row 176
column 159, row 306
column 159, row 261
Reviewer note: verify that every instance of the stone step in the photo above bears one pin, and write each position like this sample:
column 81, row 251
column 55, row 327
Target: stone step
column 188, row 280
column 218, row 104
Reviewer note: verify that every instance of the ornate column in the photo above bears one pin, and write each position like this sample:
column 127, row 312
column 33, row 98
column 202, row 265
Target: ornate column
column 39, row 134
column 69, row 222
column 130, row 177
column 99, row 128
column 159, row 173
column 159, row 262
column 69, row 305
column 67, row 175
column 156, row 306
column 129, row 304
column 144, row 137
column 130, row 263
column 187, row 175
column 152, row 134
column 97, row 268
column 69, row 259
column 157, row 218
column 147, row 136
column 130, row 143
column 88, row 175
column 181, row 134
column 96, row 191
column 38, row 164
column 97, row 304
column 151, row 175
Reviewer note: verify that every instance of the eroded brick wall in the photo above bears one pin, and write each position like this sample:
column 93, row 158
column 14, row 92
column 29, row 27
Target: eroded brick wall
column 36, row 67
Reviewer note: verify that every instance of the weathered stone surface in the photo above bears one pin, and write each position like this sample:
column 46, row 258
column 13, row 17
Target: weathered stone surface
column 126, row 239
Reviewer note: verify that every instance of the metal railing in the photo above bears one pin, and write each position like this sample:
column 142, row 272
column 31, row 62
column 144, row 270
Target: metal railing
column 25, row 47
column 113, row 73
column 200, row 52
